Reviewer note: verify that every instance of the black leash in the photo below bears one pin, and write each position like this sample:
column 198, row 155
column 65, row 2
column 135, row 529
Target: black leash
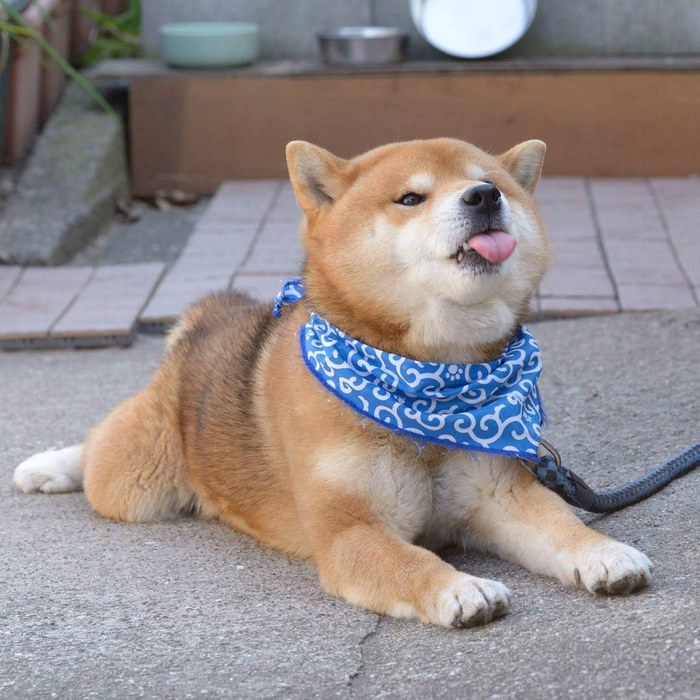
column 575, row 491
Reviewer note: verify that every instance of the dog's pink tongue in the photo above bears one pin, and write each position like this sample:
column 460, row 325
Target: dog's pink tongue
column 495, row 246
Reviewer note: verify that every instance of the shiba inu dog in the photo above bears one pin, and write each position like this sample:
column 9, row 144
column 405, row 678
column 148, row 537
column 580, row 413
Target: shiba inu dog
column 430, row 250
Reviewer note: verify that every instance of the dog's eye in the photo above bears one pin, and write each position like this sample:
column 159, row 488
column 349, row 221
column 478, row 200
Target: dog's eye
column 411, row 199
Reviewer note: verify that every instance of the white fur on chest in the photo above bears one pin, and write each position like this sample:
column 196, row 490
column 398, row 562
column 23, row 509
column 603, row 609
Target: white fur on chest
column 430, row 504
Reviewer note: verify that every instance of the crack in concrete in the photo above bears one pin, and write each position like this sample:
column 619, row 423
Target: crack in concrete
column 352, row 678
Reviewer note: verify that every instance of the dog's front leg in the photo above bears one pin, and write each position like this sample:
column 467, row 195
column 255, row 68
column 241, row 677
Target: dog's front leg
column 510, row 512
column 362, row 559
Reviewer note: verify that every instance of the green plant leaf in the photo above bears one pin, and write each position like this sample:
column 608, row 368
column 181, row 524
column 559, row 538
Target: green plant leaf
column 19, row 28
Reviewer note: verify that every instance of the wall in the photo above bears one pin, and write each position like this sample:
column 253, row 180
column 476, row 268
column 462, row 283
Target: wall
column 561, row 27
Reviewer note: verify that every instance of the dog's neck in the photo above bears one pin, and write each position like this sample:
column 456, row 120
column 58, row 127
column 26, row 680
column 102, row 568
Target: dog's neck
column 444, row 333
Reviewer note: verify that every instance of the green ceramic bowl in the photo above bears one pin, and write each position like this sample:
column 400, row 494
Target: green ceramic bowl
column 209, row 44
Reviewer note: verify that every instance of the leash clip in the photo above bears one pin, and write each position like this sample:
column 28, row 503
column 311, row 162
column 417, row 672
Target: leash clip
column 550, row 450
column 556, row 477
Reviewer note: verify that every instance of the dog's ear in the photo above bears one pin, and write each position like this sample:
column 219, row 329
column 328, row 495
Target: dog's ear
column 524, row 162
column 318, row 177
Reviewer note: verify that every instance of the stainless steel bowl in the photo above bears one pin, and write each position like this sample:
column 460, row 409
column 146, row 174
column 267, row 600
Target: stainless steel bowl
column 359, row 46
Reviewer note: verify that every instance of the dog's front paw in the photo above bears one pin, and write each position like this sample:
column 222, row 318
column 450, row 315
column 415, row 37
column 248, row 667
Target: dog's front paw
column 468, row 601
column 610, row 568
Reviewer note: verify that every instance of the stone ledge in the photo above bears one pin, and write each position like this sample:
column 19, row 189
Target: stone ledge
column 124, row 70
column 67, row 191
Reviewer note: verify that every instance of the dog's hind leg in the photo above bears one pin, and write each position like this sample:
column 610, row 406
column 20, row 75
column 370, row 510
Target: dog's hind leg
column 131, row 466
column 133, row 460
column 53, row 471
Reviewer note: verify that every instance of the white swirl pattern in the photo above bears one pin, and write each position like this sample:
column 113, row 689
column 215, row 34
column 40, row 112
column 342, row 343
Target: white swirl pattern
column 491, row 407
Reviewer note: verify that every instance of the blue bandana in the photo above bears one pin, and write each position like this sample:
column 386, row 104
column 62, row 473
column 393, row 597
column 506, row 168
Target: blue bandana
column 488, row 407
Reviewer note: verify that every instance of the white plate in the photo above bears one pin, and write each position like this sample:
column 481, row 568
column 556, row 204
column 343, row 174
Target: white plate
column 472, row 28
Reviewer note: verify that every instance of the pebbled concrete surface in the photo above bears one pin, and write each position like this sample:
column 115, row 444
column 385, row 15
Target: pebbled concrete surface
column 186, row 609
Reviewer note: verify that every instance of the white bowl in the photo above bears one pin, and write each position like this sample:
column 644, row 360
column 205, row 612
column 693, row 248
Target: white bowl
column 472, row 28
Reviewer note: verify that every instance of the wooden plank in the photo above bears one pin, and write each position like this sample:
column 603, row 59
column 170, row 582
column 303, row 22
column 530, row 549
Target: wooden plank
column 237, row 126
column 110, row 302
column 9, row 274
column 38, row 299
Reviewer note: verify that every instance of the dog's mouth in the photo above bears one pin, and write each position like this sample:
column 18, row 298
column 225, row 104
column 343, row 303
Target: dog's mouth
column 492, row 246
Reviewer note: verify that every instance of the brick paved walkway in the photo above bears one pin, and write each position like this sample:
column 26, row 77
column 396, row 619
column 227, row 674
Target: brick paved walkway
column 620, row 245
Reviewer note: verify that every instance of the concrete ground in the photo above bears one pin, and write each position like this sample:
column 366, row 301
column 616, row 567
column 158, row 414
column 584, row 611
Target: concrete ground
column 185, row 609
column 156, row 236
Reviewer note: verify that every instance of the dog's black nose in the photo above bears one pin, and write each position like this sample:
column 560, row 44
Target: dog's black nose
column 484, row 198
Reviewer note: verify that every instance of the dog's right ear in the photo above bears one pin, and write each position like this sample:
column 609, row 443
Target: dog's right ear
column 318, row 177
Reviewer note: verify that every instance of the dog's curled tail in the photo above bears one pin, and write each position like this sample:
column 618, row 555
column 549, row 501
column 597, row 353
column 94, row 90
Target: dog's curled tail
column 53, row 471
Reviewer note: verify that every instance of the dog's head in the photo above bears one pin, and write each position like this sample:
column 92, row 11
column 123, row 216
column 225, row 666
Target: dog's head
column 430, row 249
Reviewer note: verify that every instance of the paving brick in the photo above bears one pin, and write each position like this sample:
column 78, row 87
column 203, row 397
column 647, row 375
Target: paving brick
column 176, row 293
column 679, row 201
column 626, row 209
column 38, row 299
column 218, row 250
column 634, row 237
column 677, row 192
column 109, row 304
column 241, row 201
column 558, row 189
column 261, row 287
column 285, row 194
column 281, row 230
column 250, row 236
column 648, row 297
column 568, row 223
column 234, row 189
column 566, row 208
column 9, row 274
column 643, row 262
column 567, row 281
column 584, row 253
column 291, row 214
column 285, row 206
column 577, row 306
column 273, row 255
column 578, row 269
column 207, row 263
column 227, row 229
column 186, row 281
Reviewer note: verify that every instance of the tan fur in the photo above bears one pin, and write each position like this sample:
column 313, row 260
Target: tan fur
column 234, row 426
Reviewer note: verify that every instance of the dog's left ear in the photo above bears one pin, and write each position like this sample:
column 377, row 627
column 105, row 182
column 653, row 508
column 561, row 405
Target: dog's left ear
column 318, row 177
column 524, row 162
